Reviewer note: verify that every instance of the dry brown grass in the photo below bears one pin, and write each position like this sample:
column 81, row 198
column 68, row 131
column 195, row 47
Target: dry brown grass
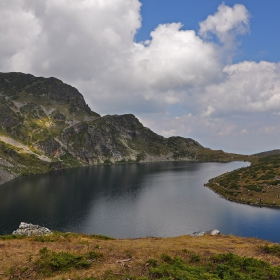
column 20, row 253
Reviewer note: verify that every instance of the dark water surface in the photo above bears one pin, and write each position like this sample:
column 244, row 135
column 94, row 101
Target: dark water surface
column 133, row 200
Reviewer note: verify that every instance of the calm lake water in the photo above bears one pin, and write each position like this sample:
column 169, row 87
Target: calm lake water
column 133, row 200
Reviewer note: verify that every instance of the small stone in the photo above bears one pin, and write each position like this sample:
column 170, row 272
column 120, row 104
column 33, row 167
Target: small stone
column 198, row 233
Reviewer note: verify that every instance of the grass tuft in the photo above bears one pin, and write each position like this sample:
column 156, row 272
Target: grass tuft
column 11, row 236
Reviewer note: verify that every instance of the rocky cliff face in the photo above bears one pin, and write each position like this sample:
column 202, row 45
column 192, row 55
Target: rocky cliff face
column 55, row 128
column 114, row 138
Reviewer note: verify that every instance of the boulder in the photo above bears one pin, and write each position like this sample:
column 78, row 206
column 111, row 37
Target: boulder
column 32, row 230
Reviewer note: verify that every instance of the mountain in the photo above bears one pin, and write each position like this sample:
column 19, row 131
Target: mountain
column 46, row 124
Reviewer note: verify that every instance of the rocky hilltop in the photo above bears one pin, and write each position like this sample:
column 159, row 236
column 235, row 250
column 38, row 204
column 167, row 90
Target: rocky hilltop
column 46, row 124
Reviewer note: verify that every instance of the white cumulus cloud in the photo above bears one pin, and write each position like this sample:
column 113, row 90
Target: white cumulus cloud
column 248, row 87
column 226, row 22
column 91, row 45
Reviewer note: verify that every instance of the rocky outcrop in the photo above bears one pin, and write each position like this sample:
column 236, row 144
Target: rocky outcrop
column 209, row 232
column 31, row 230
column 50, row 147
column 8, row 118
column 50, row 88
column 122, row 138
column 57, row 116
column 5, row 176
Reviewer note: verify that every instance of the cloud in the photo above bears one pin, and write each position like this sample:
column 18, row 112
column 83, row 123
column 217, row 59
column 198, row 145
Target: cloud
column 77, row 38
column 90, row 45
column 226, row 22
column 249, row 87
column 18, row 30
column 244, row 131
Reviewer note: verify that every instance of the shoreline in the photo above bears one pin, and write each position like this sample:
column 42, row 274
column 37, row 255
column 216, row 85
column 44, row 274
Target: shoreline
column 6, row 176
column 271, row 206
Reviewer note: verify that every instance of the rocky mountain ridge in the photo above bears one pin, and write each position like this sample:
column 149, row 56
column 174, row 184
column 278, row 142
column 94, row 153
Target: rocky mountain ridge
column 46, row 124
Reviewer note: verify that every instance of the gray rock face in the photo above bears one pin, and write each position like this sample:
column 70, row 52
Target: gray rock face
column 50, row 147
column 32, row 230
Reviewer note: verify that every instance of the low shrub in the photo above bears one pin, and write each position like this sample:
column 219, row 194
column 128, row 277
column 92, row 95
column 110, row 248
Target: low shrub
column 99, row 236
column 11, row 236
column 220, row 266
column 254, row 188
column 51, row 261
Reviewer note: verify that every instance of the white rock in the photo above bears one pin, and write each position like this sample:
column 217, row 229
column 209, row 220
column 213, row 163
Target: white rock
column 213, row 232
column 32, row 230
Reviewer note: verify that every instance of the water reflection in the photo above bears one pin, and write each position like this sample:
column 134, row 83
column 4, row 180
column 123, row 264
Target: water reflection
column 153, row 199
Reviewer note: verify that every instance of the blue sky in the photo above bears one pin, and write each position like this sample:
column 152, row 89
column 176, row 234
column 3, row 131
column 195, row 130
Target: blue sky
column 209, row 70
column 262, row 43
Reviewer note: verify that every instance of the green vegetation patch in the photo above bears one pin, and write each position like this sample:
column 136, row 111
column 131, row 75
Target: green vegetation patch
column 220, row 266
column 50, row 261
column 26, row 164
column 11, row 236
column 101, row 237
column 272, row 250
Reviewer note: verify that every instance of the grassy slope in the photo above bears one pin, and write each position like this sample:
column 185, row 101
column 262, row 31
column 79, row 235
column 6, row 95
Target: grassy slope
column 255, row 185
column 73, row 256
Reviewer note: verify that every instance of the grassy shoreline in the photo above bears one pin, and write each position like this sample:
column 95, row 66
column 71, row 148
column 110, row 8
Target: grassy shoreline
column 243, row 202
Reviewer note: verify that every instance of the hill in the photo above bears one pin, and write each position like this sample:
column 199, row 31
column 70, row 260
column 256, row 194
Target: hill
column 46, row 125
column 268, row 153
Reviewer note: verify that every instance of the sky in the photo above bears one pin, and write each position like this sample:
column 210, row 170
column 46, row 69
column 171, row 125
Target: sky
column 208, row 70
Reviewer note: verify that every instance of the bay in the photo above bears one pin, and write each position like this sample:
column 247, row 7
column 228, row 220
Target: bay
column 133, row 200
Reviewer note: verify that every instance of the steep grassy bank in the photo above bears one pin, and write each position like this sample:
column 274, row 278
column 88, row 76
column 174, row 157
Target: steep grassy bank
column 75, row 256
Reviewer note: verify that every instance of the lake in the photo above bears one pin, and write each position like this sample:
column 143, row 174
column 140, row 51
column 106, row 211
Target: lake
column 133, row 200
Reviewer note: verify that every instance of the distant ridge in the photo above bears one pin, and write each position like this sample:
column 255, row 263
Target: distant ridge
column 268, row 153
